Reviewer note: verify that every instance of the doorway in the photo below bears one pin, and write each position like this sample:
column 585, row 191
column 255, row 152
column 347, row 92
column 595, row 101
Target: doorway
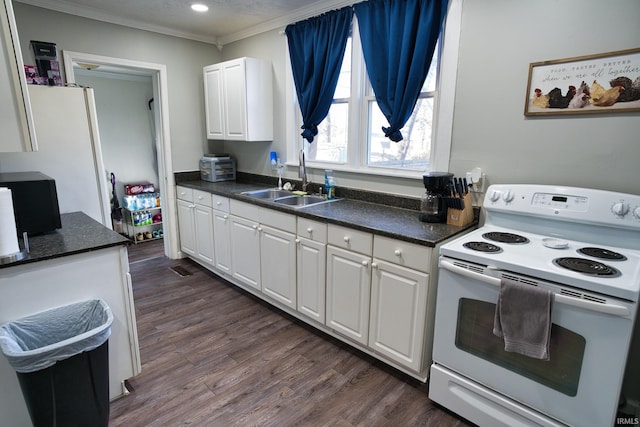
column 157, row 73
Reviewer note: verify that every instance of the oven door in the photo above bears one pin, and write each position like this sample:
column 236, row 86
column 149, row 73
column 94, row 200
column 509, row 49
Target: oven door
column 579, row 385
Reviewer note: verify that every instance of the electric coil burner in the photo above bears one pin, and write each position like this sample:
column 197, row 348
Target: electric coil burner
column 586, row 266
column 580, row 245
column 505, row 237
column 602, row 254
column 483, row 247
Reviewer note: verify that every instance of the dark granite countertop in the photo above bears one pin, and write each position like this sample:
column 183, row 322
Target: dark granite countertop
column 79, row 233
column 381, row 219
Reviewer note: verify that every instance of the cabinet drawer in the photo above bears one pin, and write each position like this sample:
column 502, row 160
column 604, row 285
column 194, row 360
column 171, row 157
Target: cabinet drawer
column 348, row 238
column 202, row 198
column 244, row 210
column 220, row 203
column 402, row 253
column 276, row 219
column 184, row 193
column 312, row 230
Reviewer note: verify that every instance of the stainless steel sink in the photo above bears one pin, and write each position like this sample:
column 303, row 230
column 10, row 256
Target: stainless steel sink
column 284, row 197
column 269, row 193
column 300, row 201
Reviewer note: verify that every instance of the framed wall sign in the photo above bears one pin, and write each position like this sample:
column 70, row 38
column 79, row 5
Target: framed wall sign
column 602, row 83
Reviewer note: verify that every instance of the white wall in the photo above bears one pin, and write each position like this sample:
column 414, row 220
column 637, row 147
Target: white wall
column 499, row 39
column 124, row 122
column 183, row 58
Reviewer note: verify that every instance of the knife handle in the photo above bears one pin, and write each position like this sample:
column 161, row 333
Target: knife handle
column 459, row 188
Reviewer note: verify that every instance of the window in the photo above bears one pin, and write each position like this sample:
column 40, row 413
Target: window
column 414, row 151
column 331, row 143
column 351, row 138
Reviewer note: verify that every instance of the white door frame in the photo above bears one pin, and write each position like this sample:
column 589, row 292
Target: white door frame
column 158, row 73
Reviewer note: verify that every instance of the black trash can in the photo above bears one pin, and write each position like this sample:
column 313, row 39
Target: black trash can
column 61, row 358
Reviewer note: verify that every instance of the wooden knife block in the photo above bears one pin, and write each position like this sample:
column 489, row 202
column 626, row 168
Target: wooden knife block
column 461, row 217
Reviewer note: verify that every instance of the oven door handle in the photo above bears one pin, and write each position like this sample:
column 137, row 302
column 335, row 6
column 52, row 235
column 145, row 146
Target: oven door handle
column 608, row 308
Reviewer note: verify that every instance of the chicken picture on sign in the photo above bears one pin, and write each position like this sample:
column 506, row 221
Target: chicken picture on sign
column 603, row 83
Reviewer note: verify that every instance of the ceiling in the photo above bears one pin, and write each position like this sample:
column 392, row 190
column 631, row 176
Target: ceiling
column 225, row 22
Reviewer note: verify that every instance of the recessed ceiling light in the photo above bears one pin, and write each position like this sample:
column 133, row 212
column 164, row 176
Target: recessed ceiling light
column 199, row 7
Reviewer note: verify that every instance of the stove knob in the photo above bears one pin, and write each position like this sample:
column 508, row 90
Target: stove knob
column 620, row 209
column 636, row 212
column 508, row 196
column 494, row 195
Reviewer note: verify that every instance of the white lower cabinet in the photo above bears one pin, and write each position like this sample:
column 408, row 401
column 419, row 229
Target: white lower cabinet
column 398, row 308
column 348, row 293
column 245, row 251
column 222, row 241
column 204, row 233
column 186, row 227
column 263, row 252
column 349, row 282
column 372, row 291
column 278, row 265
column 401, row 302
column 195, row 224
column 311, row 271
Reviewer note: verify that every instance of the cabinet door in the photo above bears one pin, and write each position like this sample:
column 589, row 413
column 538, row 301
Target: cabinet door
column 186, row 227
column 245, row 251
column 278, row 265
column 15, row 112
column 213, row 97
column 348, row 293
column 235, row 100
column 221, row 241
column 311, row 274
column 204, row 233
column 398, row 310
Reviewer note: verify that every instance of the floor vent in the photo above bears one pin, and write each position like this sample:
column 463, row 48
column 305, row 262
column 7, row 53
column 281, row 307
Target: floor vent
column 181, row 271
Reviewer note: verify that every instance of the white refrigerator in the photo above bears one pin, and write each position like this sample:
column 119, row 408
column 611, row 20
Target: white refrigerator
column 69, row 150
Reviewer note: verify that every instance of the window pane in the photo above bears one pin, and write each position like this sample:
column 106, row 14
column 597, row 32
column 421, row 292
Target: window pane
column 430, row 81
column 343, row 89
column 330, row 145
column 414, row 151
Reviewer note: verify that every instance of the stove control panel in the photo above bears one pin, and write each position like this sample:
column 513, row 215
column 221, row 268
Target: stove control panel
column 561, row 201
column 566, row 203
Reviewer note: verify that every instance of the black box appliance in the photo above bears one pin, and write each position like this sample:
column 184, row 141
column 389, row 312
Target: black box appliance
column 35, row 201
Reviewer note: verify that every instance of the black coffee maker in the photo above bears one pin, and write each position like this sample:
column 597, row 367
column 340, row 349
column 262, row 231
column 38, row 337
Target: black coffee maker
column 433, row 207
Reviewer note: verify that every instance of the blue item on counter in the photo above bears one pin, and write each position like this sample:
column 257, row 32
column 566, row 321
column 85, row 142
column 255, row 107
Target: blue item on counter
column 329, row 184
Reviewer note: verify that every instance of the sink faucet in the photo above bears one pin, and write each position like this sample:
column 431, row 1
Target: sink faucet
column 302, row 170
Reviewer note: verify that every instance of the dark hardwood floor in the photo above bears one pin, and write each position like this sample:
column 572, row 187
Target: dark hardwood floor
column 213, row 355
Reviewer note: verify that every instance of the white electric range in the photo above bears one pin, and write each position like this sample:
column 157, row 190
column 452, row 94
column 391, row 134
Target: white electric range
column 583, row 245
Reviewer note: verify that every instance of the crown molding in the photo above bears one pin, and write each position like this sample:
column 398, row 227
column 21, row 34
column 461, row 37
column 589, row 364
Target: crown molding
column 91, row 13
column 295, row 16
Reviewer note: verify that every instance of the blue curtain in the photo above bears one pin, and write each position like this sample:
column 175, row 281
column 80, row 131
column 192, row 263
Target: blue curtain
column 398, row 40
column 316, row 48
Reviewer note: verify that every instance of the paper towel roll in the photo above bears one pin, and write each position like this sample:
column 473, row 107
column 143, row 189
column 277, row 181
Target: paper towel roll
column 8, row 231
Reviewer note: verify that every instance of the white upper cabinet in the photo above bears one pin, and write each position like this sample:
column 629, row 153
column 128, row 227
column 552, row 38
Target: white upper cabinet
column 238, row 100
column 15, row 112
